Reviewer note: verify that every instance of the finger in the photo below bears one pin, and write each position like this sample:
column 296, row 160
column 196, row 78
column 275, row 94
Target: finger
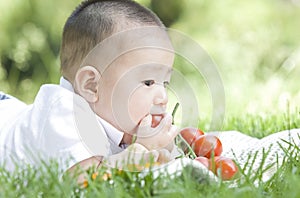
column 170, row 146
column 153, row 155
column 148, row 157
column 136, row 153
column 133, row 153
column 166, row 122
column 136, row 147
column 146, row 121
column 115, row 161
column 144, row 126
column 173, row 132
column 164, row 156
column 140, row 154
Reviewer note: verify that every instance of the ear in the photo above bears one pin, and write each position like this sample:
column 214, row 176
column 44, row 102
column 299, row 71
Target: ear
column 86, row 83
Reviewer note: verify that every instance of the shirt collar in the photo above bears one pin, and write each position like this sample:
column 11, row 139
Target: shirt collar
column 113, row 134
column 65, row 84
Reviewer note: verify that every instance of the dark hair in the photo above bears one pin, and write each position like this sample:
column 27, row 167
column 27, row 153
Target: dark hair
column 93, row 21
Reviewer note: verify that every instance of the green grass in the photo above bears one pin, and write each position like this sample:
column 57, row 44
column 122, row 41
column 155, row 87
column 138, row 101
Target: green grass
column 260, row 49
column 260, row 124
column 46, row 180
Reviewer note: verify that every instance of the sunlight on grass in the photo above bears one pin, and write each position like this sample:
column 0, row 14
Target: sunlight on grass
column 256, row 48
column 46, row 180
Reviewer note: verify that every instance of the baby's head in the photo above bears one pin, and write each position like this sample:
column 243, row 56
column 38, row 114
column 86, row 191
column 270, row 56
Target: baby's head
column 118, row 57
column 95, row 20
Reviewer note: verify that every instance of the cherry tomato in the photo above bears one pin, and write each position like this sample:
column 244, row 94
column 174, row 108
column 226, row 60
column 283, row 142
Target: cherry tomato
column 225, row 168
column 204, row 161
column 212, row 163
column 207, row 144
column 190, row 134
column 156, row 120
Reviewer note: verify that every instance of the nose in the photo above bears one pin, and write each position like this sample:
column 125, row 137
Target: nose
column 161, row 97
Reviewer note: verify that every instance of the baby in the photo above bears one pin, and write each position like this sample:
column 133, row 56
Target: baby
column 116, row 61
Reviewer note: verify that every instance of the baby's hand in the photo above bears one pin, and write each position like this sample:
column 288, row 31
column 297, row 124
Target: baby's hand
column 164, row 156
column 160, row 136
column 135, row 154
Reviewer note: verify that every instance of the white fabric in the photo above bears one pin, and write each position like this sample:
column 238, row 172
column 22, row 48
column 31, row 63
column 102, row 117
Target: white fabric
column 113, row 134
column 9, row 109
column 66, row 84
column 48, row 129
column 177, row 166
column 269, row 151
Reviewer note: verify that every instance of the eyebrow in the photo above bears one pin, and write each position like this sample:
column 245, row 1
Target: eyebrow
column 168, row 70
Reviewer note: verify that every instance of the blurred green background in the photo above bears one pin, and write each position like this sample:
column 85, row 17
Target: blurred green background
column 254, row 43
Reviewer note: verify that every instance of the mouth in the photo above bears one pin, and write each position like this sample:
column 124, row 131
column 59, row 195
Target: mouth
column 156, row 118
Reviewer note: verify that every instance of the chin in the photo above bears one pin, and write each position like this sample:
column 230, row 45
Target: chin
column 134, row 129
column 129, row 129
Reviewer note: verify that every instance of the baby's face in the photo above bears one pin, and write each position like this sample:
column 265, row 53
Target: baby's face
column 133, row 86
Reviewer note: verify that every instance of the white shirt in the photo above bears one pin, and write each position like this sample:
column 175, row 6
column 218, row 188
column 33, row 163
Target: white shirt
column 113, row 134
column 59, row 124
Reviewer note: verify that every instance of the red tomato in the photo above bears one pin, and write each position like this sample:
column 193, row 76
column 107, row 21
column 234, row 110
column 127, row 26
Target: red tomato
column 212, row 163
column 207, row 144
column 203, row 160
column 190, row 134
column 225, row 168
column 156, row 120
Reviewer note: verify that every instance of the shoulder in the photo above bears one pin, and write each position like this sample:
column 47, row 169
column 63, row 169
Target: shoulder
column 65, row 119
column 50, row 93
column 65, row 124
column 10, row 108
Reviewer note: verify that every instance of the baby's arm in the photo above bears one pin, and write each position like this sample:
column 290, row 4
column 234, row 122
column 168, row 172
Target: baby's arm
column 79, row 169
column 152, row 145
column 133, row 155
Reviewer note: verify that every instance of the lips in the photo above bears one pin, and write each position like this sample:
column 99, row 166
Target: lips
column 157, row 112
column 156, row 120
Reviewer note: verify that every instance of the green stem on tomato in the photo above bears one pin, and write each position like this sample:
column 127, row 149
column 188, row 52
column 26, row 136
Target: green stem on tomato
column 191, row 151
column 174, row 111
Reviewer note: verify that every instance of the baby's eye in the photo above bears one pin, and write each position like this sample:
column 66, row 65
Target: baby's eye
column 149, row 82
column 166, row 83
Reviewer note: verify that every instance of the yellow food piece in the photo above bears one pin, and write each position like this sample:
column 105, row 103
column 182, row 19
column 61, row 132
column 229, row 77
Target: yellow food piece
column 85, row 183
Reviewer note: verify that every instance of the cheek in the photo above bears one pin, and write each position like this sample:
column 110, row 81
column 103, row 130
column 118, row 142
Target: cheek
column 139, row 105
